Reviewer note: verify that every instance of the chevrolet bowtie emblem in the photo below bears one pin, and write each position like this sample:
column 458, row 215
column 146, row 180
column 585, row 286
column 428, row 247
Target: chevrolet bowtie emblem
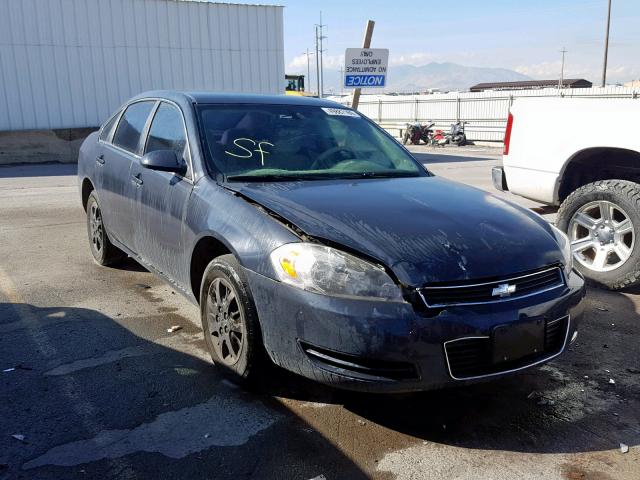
column 503, row 290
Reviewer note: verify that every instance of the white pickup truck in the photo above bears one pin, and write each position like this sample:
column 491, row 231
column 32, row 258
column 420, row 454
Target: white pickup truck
column 583, row 155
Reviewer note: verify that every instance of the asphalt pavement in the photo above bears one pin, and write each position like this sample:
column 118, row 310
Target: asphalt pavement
column 92, row 385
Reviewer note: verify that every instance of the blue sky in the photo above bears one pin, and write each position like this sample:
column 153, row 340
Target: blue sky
column 521, row 35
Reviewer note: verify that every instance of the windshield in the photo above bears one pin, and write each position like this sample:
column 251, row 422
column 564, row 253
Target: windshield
column 272, row 142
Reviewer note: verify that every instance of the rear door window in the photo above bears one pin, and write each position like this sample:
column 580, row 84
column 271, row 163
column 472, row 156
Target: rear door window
column 106, row 130
column 131, row 125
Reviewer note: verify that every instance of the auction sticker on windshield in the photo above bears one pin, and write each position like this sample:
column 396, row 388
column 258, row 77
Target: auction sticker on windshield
column 340, row 112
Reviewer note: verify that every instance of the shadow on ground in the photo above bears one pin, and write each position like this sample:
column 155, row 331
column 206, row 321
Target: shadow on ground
column 567, row 406
column 28, row 170
column 436, row 156
column 94, row 400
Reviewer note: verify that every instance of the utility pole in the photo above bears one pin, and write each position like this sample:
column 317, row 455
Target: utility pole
column 606, row 47
column 561, row 82
column 341, row 80
column 317, row 64
column 308, row 71
column 366, row 43
column 319, row 51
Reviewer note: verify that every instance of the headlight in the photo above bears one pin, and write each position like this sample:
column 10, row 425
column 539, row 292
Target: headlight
column 565, row 246
column 328, row 271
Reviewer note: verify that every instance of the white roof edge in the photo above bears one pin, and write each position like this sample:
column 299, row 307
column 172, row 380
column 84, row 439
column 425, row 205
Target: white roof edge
column 230, row 3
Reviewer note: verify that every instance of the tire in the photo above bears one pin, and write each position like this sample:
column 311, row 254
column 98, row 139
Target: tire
column 245, row 361
column 616, row 240
column 405, row 138
column 103, row 251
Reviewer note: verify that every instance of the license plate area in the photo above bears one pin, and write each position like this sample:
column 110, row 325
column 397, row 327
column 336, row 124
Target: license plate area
column 514, row 341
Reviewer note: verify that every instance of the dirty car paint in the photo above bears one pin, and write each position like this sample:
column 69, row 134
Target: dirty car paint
column 426, row 229
column 422, row 230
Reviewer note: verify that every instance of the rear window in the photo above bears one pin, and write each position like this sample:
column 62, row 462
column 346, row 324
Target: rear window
column 131, row 124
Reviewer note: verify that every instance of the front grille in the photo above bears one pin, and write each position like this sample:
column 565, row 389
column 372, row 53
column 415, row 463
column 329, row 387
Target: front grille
column 436, row 296
column 472, row 357
column 354, row 365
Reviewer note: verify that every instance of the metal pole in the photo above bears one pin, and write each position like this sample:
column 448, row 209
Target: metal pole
column 561, row 82
column 321, row 58
column 317, row 64
column 606, row 47
column 341, row 80
column 366, row 43
column 308, row 72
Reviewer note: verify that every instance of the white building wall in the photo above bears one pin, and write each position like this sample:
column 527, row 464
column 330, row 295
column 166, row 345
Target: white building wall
column 70, row 63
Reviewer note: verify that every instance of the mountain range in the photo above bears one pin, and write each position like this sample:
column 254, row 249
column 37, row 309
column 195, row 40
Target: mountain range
column 443, row 76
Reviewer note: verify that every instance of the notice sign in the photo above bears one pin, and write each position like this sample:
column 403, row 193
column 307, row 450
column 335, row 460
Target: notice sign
column 365, row 67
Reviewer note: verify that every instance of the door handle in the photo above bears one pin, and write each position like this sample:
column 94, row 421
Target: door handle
column 137, row 180
column 100, row 159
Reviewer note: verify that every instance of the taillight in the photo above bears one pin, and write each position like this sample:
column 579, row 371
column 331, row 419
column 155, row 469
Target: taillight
column 507, row 135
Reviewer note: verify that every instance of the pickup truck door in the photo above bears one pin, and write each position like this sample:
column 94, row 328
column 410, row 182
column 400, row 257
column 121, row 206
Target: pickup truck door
column 161, row 199
column 117, row 188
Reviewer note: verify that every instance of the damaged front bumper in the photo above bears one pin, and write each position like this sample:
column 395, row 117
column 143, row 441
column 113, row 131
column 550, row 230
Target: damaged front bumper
column 382, row 346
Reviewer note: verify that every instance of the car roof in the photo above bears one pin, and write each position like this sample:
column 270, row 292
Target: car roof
column 236, row 98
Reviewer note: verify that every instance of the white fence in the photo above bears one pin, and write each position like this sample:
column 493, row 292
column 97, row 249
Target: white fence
column 486, row 112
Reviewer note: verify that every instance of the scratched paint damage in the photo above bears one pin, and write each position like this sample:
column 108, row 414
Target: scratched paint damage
column 431, row 241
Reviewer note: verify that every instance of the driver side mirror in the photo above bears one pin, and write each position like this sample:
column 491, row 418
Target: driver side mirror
column 164, row 161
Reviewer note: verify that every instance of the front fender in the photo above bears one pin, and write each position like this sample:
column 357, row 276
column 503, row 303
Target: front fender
column 249, row 232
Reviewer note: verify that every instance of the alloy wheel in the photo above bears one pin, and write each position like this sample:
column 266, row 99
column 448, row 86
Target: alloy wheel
column 96, row 228
column 226, row 321
column 602, row 236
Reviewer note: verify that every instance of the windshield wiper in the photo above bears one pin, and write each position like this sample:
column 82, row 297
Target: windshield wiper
column 319, row 176
column 262, row 178
column 376, row 174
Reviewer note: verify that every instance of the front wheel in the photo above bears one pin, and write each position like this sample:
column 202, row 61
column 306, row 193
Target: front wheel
column 230, row 321
column 602, row 220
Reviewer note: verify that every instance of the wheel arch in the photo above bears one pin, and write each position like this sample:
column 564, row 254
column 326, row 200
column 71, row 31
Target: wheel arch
column 86, row 189
column 208, row 247
column 597, row 163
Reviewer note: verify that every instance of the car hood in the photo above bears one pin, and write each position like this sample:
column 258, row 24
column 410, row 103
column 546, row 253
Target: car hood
column 426, row 229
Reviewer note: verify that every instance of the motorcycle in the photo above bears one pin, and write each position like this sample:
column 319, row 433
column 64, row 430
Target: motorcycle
column 457, row 136
column 439, row 139
column 416, row 132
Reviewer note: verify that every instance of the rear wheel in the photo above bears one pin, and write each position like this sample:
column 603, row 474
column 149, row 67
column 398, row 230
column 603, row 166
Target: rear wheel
column 103, row 251
column 230, row 321
column 602, row 220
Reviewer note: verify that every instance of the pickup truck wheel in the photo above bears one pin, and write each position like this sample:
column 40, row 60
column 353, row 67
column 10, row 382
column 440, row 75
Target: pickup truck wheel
column 103, row 251
column 230, row 322
column 602, row 220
